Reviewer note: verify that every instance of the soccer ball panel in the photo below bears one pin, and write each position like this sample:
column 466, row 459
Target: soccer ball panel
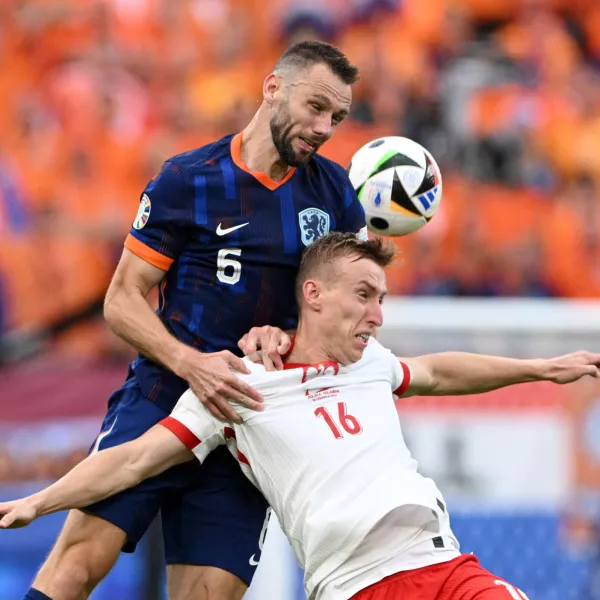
column 411, row 178
column 385, row 215
column 428, row 202
column 391, row 223
column 382, row 154
column 376, row 192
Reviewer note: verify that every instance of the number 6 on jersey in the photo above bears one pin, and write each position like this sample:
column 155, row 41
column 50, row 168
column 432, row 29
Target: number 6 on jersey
column 223, row 263
column 349, row 422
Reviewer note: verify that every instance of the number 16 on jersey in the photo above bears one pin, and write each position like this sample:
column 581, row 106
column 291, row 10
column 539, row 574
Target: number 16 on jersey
column 349, row 423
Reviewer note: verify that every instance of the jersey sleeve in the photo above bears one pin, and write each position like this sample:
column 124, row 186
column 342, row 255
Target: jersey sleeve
column 402, row 376
column 399, row 372
column 194, row 426
column 164, row 217
column 353, row 215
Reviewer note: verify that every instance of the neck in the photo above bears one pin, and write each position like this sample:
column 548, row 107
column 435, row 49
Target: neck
column 309, row 346
column 258, row 150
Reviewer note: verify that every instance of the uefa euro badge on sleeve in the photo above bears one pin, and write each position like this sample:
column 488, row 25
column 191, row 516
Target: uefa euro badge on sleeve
column 143, row 213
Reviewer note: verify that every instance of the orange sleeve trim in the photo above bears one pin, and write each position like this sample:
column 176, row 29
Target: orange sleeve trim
column 156, row 259
column 236, row 155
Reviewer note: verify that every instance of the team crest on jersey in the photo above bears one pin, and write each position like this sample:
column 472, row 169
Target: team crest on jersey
column 328, row 367
column 143, row 213
column 314, row 223
column 318, row 370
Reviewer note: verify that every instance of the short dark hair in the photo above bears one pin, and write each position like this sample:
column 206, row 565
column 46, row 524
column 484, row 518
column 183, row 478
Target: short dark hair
column 335, row 245
column 307, row 53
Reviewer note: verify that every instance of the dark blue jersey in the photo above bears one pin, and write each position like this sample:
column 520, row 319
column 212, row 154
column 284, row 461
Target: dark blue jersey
column 230, row 241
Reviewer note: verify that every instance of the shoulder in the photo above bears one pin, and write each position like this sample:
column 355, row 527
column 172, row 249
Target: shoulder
column 374, row 353
column 330, row 169
column 333, row 179
column 375, row 348
column 256, row 369
column 257, row 374
column 205, row 156
column 263, row 381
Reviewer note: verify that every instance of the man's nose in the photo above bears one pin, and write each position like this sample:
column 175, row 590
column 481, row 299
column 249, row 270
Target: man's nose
column 323, row 126
column 376, row 315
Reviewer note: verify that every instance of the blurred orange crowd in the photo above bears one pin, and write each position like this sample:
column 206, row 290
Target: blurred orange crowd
column 506, row 95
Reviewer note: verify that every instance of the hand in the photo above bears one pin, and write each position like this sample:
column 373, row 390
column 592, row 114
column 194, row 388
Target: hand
column 273, row 342
column 15, row 514
column 571, row 367
column 211, row 379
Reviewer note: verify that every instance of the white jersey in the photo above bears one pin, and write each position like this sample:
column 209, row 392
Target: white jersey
column 328, row 454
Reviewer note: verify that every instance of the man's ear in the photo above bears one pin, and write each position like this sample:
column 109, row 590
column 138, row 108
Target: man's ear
column 271, row 85
column 311, row 291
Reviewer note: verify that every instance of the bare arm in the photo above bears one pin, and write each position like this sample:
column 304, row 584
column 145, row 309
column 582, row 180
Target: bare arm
column 129, row 315
column 455, row 373
column 101, row 475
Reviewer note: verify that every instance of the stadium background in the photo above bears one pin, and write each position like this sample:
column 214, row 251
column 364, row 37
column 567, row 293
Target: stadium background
column 505, row 94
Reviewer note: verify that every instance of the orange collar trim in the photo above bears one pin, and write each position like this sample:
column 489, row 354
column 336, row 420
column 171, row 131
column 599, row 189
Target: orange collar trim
column 236, row 155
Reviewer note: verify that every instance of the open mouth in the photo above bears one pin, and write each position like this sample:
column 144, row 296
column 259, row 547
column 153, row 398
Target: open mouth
column 363, row 338
column 306, row 145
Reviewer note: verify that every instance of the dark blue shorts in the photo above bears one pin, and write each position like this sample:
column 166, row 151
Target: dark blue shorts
column 211, row 514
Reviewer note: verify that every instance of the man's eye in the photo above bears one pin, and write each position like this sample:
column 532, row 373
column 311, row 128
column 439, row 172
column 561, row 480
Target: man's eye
column 316, row 107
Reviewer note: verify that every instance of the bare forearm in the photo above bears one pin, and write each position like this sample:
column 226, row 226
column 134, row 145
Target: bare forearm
column 462, row 373
column 131, row 317
column 101, row 475
column 97, row 477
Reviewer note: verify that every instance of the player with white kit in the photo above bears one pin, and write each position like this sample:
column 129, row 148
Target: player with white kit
column 327, row 451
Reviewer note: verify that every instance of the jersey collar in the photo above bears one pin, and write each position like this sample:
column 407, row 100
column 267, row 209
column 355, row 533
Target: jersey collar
column 236, row 155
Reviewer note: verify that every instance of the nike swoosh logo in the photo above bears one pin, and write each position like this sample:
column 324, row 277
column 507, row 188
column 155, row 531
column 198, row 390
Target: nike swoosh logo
column 253, row 561
column 221, row 231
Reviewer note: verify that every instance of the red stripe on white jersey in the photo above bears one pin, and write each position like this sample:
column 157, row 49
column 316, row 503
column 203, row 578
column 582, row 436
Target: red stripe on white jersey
column 230, row 435
column 181, row 431
column 406, row 377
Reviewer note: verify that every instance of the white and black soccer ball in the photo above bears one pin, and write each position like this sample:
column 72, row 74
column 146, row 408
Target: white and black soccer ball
column 398, row 183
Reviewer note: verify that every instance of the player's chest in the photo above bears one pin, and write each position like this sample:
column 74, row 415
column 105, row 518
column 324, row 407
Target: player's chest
column 282, row 221
column 341, row 401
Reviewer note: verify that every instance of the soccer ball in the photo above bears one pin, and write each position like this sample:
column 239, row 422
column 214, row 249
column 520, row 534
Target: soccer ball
column 398, row 183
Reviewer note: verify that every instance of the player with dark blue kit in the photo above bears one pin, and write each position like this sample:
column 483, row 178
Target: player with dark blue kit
column 220, row 230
